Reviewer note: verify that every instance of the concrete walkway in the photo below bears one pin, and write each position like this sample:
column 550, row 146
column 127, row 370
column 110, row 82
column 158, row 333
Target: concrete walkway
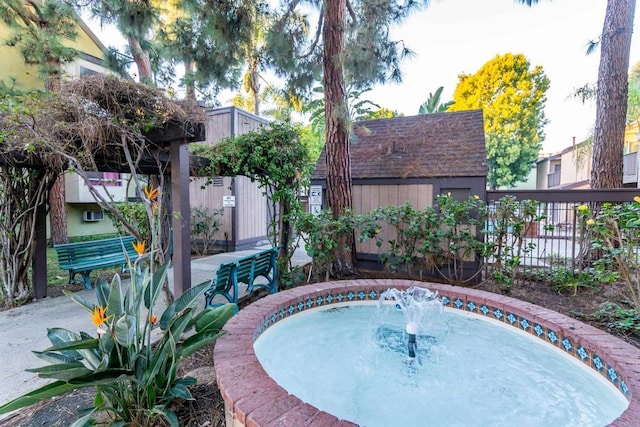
column 24, row 329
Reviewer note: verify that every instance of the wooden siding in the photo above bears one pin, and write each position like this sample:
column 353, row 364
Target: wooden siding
column 251, row 205
column 247, row 222
column 368, row 197
column 246, row 122
column 218, row 127
column 211, row 197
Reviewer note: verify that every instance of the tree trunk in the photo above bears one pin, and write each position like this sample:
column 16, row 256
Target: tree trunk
column 611, row 103
column 57, row 205
column 339, row 196
column 141, row 57
column 57, row 212
column 254, row 84
column 189, row 82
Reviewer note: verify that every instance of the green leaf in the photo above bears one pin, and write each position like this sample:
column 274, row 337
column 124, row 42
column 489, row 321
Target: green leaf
column 125, row 330
column 184, row 301
column 78, row 299
column 152, row 292
column 198, row 341
column 100, row 378
column 56, row 388
column 157, row 361
column 115, row 306
column 171, row 418
column 54, row 357
column 61, row 371
column 180, row 323
column 61, row 337
column 181, row 392
column 102, row 291
column 84, row 420
column 187, row 381
column 81, row 344
column 215, row 318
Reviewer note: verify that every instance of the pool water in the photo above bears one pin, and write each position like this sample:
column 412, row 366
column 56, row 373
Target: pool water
column 352, row 362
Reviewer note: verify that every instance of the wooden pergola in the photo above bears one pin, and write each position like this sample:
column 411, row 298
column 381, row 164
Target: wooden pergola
column 172, row 143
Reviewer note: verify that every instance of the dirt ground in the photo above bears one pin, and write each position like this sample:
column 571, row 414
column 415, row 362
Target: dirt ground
column 207, row 408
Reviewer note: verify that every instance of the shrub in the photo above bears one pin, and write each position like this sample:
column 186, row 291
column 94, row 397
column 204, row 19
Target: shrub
column 205, row 223
column 615, row 237
column 136, row 379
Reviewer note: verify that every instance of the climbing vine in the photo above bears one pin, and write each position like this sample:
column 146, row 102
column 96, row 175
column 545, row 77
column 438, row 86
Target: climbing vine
column 274, row 157
column 92, row 123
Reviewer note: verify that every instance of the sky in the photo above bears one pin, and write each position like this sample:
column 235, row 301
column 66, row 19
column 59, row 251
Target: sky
column 453, row 37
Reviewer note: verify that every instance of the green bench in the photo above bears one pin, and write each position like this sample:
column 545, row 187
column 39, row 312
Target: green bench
column 84, row 257
column 244, row 270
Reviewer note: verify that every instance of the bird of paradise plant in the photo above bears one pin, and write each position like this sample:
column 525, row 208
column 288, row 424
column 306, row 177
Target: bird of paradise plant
column 135, row 376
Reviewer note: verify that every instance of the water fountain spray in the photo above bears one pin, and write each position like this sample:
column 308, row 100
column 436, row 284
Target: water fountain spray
column 414, row 303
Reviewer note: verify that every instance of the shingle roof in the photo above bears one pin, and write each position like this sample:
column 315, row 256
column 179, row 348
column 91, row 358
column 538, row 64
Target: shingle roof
column 424, row 146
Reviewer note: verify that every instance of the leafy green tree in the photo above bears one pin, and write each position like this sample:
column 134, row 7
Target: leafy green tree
column 612, row 91
column 434, row 104
column 512, row 95
column 275, row 158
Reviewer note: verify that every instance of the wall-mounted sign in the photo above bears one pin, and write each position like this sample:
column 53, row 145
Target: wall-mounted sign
column 315, row 199
column 315, row 195
column 229, row 201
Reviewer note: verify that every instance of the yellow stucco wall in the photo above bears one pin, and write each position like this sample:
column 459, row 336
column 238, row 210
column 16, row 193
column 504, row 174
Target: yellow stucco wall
column 27, row 77
column 631, row 138
column 14, row 66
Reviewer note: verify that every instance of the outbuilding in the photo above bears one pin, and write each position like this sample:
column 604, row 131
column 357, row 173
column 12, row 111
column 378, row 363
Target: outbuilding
column 410, row 159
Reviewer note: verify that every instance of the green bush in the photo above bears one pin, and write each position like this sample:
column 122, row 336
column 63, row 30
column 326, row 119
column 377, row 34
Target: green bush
column 205, row 223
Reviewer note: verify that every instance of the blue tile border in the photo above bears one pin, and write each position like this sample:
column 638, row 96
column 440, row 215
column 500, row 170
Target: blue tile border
column 566, row 344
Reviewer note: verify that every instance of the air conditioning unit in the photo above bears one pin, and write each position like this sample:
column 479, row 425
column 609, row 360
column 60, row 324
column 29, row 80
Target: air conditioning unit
column 93, row 216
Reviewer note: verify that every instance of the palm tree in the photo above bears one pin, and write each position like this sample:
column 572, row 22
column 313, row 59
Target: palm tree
column 433, row 104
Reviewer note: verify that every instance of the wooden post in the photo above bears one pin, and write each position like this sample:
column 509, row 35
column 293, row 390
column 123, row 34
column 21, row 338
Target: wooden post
column 39, row 261
column 180, row 216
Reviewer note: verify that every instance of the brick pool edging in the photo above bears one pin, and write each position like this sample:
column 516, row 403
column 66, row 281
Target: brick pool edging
column 252, row 398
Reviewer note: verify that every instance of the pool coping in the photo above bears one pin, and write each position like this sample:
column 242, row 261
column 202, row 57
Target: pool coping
column 252, row 398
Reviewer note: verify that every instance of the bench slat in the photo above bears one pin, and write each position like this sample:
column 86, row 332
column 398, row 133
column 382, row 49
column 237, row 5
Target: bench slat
column 84, row 257
column 243, row 270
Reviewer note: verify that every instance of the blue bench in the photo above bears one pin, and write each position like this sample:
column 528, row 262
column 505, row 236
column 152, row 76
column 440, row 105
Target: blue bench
column 244, row 270
column 84, row 257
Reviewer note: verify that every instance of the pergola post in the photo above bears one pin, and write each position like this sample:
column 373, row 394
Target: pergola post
column 39, row 261
column 180, row 216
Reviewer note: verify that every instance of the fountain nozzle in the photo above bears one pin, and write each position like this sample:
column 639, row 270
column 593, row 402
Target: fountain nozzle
column 413, row 302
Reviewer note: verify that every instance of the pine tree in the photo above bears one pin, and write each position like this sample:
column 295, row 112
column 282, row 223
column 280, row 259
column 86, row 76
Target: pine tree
column 38, row 30
column 351, row 43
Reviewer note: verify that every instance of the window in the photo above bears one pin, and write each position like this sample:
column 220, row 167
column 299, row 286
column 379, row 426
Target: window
column 457, row 194
column 109, row 179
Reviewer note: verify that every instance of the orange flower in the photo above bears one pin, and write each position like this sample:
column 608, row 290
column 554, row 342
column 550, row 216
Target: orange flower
column 152, row 195
column 152, row 318
column 98, row 315
column 139, row 247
